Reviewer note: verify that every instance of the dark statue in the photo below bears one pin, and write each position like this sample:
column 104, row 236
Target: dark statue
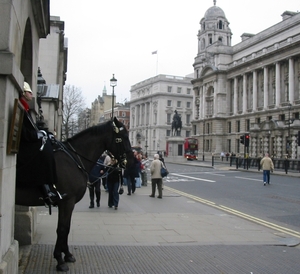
column 176, row 124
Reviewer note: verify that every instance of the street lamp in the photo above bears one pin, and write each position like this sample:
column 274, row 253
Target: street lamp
column 289, row 130
column 41, row 83
column 113, row 83
column 203, row 139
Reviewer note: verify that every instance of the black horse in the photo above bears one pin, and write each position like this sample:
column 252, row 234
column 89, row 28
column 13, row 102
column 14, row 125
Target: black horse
column 176, row 127
column 74, row 160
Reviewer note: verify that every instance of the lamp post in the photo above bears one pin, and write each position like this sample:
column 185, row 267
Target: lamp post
column 41, row 83
column 113, row 83
column 203, row 139
column 146, row 141
column 289, row 131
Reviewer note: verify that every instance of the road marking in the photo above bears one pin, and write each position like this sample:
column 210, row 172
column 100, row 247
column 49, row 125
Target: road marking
column 237, row 213
column 246, row 178
column 194, row 178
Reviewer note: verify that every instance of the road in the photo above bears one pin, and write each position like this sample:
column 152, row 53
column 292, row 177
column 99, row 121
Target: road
column 241, row 193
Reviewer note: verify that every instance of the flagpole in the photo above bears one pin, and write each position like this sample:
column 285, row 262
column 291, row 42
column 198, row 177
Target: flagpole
column 156, row 52
column 156, row 63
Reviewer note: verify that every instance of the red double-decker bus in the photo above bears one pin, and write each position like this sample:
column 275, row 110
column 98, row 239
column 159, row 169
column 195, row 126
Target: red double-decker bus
column 191, row 148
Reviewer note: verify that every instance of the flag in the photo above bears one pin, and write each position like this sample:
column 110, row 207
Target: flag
column 154, row 52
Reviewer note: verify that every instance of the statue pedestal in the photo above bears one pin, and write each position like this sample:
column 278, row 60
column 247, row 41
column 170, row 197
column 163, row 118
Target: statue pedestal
column 175, row 146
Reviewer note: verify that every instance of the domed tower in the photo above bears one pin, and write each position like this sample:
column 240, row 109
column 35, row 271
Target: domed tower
column 214, row 40
column 210, row 69
column 214, row 29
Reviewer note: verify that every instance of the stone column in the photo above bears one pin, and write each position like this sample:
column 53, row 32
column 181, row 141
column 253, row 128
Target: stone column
column 291, row 80
column 245, row 93
column 277, row 84
column 254, row 90
column 215, row 104
column 203, row 104
column 266, row 91
column 235, row 97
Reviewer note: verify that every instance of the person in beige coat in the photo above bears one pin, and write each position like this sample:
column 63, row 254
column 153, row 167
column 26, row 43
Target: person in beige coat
column 267, row 165
column 156, row 178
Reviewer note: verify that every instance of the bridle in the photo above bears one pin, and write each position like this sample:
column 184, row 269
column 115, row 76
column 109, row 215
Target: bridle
column 116, row 140
column 121, row 149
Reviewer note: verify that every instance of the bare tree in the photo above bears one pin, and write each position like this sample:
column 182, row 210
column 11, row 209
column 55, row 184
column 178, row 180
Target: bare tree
column 73, row 104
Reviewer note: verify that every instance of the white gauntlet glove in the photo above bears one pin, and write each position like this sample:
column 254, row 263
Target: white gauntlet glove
column 51, row 138
column 42, row 135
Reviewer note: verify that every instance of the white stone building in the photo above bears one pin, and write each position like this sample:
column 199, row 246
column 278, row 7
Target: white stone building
column 152, row 105
column 252, row 87
column 23, row 24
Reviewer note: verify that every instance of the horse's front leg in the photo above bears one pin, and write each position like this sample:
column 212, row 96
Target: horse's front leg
column 65, row 210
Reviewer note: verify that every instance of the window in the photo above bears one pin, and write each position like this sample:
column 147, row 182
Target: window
column 179, row 104
column 269, row 118
column 123, row 114
column 188, row 91
column 220, row 24
column 188, row 104
column 248, row 125
column 178, row 89
column 194, row 129
column 188, row 118
column 169, row 89
column 169, row 103
column 168, row 118
column 282, row 117
column 229, row 128
column 238, row 126
column 187, row 133
column 210, row 38
column 168, row 133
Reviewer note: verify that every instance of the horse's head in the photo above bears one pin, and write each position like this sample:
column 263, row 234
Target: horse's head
column 121, row 147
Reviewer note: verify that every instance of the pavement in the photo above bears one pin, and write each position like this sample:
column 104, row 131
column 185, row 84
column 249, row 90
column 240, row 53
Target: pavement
column 176, row 234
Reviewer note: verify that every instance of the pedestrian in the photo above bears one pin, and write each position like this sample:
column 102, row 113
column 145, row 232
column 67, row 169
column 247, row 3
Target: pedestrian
column 267, row 165
column 138, row 180
column 145, row 165
column 106, row 163
column 115, row 181
column 35, row 161
column 130, row 174
column 156, row 179
column 94, row 184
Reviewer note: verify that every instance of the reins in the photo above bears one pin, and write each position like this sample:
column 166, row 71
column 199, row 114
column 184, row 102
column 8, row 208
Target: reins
column 78, row 159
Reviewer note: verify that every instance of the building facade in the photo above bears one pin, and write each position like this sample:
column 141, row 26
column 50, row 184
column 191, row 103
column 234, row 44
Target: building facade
column 152, row 106
column 23, row 24
column 53, row 59
column 100, row 105
column 121, row 112
column 252, row 87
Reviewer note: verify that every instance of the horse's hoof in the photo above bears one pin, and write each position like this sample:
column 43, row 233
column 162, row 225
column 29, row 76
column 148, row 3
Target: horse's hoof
column 62, row 267
column 70, row 259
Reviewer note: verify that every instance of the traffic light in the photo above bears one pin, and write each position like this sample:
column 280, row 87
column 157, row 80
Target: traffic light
column 247, row 139
column 242, row 139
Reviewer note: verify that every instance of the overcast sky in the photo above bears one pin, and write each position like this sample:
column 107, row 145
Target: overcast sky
column 106, row 37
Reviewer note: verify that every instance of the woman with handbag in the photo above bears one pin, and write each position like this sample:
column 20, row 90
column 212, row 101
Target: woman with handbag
column 156, row 178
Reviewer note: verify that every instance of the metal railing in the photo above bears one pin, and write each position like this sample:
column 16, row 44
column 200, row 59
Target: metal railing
column 287, row 165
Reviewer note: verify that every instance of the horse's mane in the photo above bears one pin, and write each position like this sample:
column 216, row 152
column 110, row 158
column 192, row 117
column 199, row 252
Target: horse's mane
column 94, row 130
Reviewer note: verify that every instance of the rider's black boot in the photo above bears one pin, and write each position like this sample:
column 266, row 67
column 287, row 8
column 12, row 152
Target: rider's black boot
column 52, row 197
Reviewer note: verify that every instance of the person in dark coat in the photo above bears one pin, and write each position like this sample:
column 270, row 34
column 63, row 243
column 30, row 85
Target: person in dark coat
column 94, row 184
column 130, row 173
column 115, row 180
column 35, row 161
